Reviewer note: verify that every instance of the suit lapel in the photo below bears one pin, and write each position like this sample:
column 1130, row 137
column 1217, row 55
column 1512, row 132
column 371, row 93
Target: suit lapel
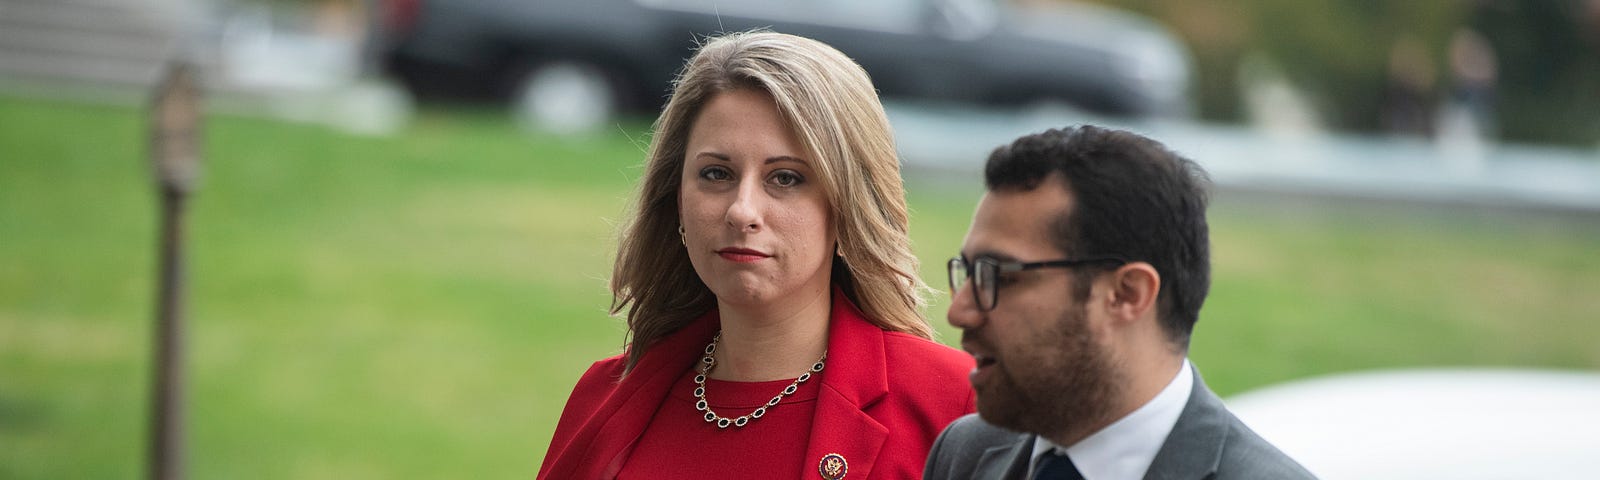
column 1006, row 461
column 619, row 423
column 1194, row 448
column 855, row 378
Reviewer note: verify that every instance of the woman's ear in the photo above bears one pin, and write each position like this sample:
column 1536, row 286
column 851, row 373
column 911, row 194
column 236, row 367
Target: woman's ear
column 1134, row 287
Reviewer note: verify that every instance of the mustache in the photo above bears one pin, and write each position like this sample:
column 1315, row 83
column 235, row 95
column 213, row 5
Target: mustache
column 975, row 338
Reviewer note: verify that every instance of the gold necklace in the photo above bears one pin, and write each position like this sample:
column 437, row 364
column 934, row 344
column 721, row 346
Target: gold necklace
column 709, row 361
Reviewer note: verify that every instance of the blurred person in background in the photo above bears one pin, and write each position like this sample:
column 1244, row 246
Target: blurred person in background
column 1474, row 71
column 1076, row 290
column 771, row 292
column 1409, row 89
column 1589, row 23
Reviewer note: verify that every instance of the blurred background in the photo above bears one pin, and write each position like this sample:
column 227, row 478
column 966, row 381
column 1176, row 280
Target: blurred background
column 401, row 239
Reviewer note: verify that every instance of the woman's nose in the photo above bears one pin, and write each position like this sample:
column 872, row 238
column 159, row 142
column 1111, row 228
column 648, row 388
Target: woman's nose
column 744, row 213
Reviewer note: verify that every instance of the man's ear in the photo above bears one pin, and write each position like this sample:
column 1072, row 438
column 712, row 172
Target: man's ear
column 1134, row 287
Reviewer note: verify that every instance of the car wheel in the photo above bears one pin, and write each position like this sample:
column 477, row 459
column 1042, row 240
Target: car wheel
column 565, row 97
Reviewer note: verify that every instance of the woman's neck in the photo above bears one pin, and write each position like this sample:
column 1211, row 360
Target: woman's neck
column 777, row 342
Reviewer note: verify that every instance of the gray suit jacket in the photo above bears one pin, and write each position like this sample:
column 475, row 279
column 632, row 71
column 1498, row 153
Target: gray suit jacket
column 1206, row 443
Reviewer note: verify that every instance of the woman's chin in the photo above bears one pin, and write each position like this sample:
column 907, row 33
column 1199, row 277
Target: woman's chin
column 753, row 293
column 746, row 294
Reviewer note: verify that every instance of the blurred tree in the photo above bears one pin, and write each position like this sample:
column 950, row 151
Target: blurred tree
column 1549, row 67
column 1339, row 53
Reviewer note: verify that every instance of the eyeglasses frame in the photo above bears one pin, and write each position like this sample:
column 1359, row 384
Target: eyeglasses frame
column 1004, row 267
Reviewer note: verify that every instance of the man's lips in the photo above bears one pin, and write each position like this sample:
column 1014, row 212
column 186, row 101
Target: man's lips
column 983, row 360
column 742, row 255
column 982, row 356
column 981, row 368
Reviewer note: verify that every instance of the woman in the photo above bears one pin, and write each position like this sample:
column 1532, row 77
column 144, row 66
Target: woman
column 770, row 288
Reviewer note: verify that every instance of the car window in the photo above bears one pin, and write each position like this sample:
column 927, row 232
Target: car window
column 898, row 16
column 764, row 9
column 965, row 19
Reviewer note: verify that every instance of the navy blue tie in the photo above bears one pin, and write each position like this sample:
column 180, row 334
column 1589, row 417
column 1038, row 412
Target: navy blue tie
column 1056, row 466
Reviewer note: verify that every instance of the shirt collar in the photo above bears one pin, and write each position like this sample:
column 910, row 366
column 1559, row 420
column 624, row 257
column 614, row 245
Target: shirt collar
column 1126, row 448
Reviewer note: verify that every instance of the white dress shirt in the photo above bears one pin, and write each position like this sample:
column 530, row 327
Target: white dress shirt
column 1124, row 449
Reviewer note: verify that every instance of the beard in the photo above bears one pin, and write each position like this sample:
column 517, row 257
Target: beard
column 1061, row 382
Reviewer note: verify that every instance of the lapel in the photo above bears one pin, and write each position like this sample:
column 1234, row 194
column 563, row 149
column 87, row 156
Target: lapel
column 1194, row 448
column 1006, row 461
column 856, row 377
column 622, row 417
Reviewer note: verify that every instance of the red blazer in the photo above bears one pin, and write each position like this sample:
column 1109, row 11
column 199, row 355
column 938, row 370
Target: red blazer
column 883, row 401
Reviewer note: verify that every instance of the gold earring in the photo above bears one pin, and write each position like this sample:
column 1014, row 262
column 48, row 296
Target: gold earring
column 683, row 236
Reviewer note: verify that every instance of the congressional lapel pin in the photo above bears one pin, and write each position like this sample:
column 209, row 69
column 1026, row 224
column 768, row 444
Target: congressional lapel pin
column 833, row 466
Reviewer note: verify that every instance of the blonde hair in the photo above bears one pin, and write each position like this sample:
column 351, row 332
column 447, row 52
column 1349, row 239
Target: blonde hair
column 830, row 103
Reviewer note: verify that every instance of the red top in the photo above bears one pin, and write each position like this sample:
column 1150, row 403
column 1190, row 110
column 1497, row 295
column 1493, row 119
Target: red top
column 733, row 452
column 878, row 405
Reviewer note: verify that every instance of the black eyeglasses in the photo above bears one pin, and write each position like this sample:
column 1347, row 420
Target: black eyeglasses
column 985, row 273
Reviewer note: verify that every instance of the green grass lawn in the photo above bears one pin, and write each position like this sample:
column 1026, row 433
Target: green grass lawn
column 419, row 306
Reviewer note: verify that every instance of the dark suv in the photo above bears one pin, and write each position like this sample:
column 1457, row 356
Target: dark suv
column 563, row 58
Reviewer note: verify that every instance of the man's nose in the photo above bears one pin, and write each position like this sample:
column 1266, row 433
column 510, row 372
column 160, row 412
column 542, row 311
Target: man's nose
column 963, row 312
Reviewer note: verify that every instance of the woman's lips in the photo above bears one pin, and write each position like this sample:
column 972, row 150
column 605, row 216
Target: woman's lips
column 741, row 255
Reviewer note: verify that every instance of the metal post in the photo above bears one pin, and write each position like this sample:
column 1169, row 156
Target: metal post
column 175, row 155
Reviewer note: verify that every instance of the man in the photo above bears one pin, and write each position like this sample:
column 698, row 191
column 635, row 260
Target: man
column 1076, row 291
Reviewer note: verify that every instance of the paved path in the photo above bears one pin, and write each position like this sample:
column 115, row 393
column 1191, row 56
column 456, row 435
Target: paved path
column 957, row 140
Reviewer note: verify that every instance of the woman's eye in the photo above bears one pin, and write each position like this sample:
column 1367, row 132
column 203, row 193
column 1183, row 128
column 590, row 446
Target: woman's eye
column 715, row 173
column 786, row 178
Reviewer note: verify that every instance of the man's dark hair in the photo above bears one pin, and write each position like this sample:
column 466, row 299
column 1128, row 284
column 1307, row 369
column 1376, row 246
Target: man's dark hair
column 1134, row 199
